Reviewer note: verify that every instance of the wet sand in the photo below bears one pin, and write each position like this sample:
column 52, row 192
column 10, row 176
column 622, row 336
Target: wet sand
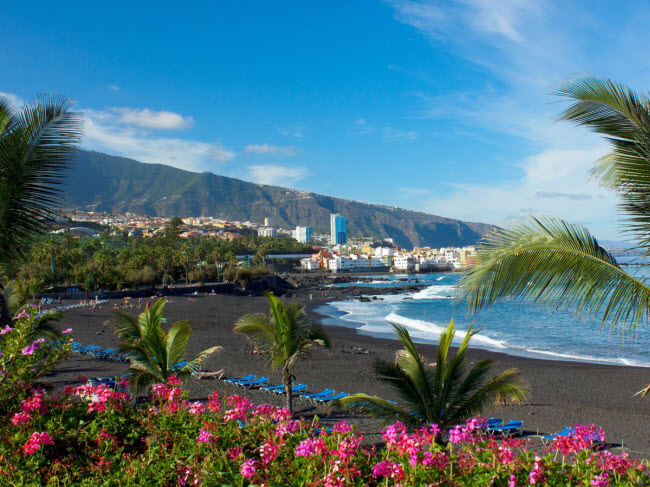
column 561, row 393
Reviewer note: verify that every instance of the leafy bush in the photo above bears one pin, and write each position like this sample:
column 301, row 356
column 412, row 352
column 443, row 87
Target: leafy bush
column 93, row 435
column 29, row 350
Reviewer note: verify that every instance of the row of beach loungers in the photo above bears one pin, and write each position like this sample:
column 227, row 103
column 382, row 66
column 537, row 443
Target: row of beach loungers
column 250, row 381
column 97, row 352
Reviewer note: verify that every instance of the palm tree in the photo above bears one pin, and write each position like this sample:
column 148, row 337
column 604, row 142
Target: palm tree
column 36, row 145
column 154, row 352
column 442, row 394
column 285, row 335
column 554, row 263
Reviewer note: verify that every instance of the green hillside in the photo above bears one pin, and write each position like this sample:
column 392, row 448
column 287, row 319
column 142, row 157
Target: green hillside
column 102, row 182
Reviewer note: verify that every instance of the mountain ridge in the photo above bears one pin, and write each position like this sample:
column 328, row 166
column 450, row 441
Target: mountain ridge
column 103, row 182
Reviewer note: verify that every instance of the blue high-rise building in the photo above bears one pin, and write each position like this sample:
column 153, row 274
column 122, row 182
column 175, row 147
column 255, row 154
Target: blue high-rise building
column 338, row 229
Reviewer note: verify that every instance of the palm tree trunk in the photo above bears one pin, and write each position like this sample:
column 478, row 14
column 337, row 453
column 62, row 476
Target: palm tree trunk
column 289, row 391
column 5, row 316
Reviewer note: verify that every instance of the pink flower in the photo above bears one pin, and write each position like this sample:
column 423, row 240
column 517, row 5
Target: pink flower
column 240, row 407
column 506, row 456
column 6, row 329
column 311, row 446
column 388, row 470
column 282, row 414
column 342, row 427
column 394, row 433
column 35, row 441
column 234, row 452
column 36, row 402
column 213, row 402
column 204, row 437
column 600, row 480
column 35, row 345
column 269, row 452
column 537, row 473
column 22, row 314
column 105, row 437
column 195, row 408
column 20, row 418
column 282, row 429
column 512, row 482
column 248, row 468
column 66, row 331
column 458, row 434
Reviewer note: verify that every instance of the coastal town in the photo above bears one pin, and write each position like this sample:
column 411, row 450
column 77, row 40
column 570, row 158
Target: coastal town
column 335, row 251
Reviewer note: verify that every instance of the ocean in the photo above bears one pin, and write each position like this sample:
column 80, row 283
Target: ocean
column 508, row 327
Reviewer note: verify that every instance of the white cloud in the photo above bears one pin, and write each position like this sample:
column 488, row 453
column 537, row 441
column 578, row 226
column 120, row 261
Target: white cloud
column 104, row 131
column 113, row 87
column 266, row 149
column 276, row 175
column 144, row 117
column 554, row 182
column 364, row 127
column 14, row 100
column 390, row 134
column 296, row 131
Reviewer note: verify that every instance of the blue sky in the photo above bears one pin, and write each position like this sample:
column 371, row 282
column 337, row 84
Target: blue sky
column 442, row 107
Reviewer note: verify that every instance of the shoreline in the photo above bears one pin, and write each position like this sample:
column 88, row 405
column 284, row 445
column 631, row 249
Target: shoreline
column 511, row 352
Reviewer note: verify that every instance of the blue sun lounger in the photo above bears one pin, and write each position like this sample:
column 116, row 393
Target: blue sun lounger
column 511, row 428
column 565, row 432
column 241, row 379
column 180, row 365
column 324, row 393
column 294, row 389
column 272, row 389
column 106, row 353
column 336, row 397
column 491, row 423
column 252, row 383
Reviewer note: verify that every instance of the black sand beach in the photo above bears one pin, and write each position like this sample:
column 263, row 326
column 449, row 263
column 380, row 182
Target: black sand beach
column 561, row 393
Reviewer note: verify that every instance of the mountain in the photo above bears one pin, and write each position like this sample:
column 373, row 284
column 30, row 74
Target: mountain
column 102, row 182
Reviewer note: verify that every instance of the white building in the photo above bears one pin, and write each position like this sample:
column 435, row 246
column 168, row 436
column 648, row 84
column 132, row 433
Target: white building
column 310, row 264
column 267, row 232
column 302, row 234
column 404, row 263
column 384, row 252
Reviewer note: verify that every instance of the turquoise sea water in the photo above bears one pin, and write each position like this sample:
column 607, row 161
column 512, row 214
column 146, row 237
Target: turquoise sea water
column 508, row 327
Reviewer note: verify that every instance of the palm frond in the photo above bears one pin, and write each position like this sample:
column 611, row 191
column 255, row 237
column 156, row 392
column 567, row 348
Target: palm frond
column 404, row 385
column 126, row 327
column 411, row 363
column 506, row 385
column 194, row 365
column 176, row 342
column 553, row 263
column 612, row 109
column 378, row 408
column 605, row 106
column 643, row 392
column 6, row 111
column 42, row 326
column 36, row 145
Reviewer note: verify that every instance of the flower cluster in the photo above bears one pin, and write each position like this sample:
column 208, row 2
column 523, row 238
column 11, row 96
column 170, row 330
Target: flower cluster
column 36, row 441
column 99, row 397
